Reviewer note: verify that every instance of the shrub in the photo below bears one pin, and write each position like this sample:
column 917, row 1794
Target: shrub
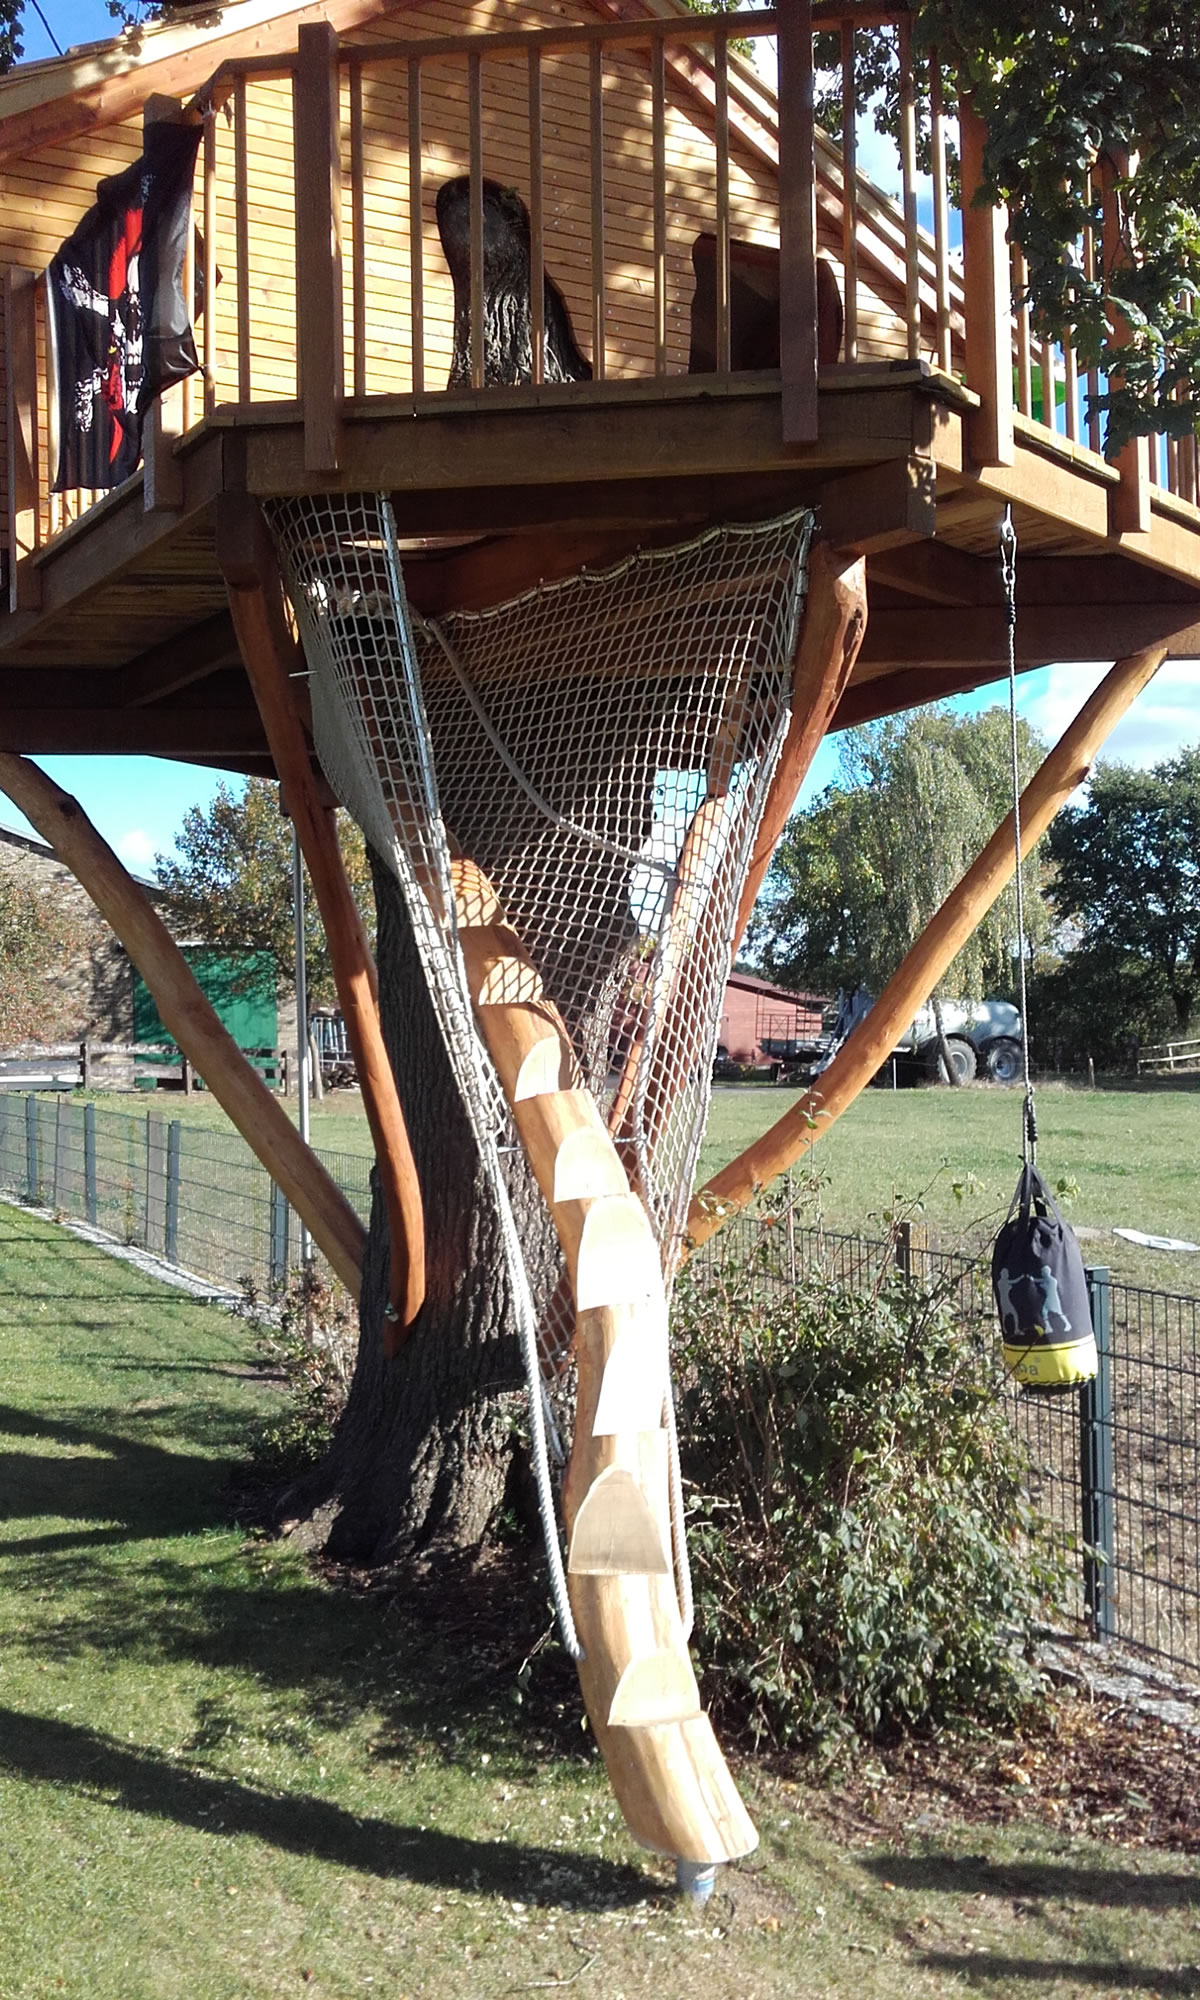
column 308, row 1334
column 865, row 1555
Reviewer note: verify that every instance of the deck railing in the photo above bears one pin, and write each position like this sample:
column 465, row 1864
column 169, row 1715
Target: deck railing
column 322, row 279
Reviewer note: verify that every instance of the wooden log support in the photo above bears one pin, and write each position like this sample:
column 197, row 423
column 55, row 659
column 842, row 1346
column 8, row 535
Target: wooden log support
column 666, row 1768
column 271, row 656
column 20, row 382
column 316, row 119
column 1066, row 767
column 797, row 223
column 987, row 295
column 189, row 1017
column 835, row 622
column 162, row 476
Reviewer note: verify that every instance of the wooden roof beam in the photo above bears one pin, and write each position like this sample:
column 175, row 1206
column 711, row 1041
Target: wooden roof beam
column 976, row 637
column 177, row 663
column 116, row 732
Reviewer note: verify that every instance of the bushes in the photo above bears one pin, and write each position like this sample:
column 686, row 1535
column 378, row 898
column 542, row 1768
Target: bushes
column 864, row 1554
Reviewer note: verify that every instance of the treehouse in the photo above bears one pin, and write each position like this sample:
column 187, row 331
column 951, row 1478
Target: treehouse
column 511, row 322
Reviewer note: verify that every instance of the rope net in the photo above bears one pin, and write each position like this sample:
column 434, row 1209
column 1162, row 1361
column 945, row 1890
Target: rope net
column 601, row 748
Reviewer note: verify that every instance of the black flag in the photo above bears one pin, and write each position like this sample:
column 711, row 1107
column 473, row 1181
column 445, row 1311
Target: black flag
column 120, row 325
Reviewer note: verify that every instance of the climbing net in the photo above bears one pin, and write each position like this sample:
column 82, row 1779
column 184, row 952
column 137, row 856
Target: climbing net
column 601, row 748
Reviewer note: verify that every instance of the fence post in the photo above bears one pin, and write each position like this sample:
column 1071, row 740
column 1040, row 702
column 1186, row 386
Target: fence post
column 33, row 1179
column 156, row 1190
column 1096, row 1467
column 89, row 1162
column 62, row 1130
column 279, row 1237
column 174, row 1132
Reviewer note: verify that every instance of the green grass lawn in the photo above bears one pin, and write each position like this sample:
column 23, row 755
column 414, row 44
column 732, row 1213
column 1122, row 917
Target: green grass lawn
column 1134, row 1155
column 222, row 1779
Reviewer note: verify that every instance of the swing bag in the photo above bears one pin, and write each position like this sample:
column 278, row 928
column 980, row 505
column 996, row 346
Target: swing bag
column 1041, row 1292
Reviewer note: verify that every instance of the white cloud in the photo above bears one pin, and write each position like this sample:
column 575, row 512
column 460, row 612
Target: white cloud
column 1163, row 720
column 137, row 850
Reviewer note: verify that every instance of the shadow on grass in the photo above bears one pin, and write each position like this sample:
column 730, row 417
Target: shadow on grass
column 95, row 1474
column 975, row 1875
column 84, row 1760
column 1111, row 1975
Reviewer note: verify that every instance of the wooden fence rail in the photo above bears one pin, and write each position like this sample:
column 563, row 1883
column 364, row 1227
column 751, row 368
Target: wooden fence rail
column 1167, row 1058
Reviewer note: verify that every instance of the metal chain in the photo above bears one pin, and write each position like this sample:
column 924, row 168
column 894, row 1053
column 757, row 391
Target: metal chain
column 1008, row 568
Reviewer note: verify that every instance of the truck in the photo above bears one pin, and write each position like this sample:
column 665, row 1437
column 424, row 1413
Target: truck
column 983, row 1038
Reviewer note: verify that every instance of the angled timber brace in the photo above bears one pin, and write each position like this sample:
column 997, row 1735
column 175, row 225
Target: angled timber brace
column 188, row 1015
column 1066, row 767
column 272, row 657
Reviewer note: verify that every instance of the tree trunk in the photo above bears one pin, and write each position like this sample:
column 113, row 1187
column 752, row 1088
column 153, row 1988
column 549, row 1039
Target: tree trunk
column 423, row 1452
column 948, row 1069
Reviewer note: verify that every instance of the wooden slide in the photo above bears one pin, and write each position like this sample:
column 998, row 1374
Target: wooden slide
column 666, row 1768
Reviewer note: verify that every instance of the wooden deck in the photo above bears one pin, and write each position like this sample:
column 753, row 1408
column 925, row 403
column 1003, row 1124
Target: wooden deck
column 627, row 136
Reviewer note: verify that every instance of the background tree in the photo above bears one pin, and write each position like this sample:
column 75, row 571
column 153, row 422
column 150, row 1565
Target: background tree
column 1127, row 873
column 231, row 883
column 1070, row 94
column 858, row 875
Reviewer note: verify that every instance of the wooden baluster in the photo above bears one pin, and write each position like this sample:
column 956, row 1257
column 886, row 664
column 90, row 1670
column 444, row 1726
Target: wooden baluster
column 908, row 169
column 721, row 58
column 537, row 222
column 358, row 231
column 241, row 217
column 416, row 232
column 596, row 127
column 316, row 118
column 850, row 191
column 1093, row 374
column 941, row 215
column 797, row 224
column 209, row 347
column 1071, row 371
column 21, row 390
column 987, row 298
column 1128, row 502
column 1049, row 387
column 658, row 175
column 162, row 479
column 475, row 121
column 1024, row 345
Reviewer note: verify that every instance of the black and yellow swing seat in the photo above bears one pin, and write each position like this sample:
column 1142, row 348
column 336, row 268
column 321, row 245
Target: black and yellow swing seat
column 1041, row 1292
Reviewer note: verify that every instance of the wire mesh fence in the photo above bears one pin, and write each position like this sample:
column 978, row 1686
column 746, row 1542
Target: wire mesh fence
column 196, row 1196
column 1114, row 1465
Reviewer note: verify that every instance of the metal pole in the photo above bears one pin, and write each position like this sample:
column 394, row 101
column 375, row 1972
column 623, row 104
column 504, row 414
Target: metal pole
column 301, row 1013
column 174, row 1136
column 1096, row 1468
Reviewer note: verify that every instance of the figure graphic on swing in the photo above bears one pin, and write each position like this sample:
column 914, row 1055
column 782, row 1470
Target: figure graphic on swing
column 1048, row 1309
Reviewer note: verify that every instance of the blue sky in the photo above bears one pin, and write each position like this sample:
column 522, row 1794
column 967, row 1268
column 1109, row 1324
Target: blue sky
column 138, row 803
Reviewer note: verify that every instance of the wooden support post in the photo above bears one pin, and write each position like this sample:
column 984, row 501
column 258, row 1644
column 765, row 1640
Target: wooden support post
column 256, row 601
column 1066, row 767
column 20, row 368
column 316, row 120
column 1129, row 502
column 188, row 1016
column 835, row 620
column 162, row 476
column 987, row 294
column 797, row 223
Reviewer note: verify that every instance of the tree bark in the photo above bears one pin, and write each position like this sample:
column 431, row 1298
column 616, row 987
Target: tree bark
column 422, row 1456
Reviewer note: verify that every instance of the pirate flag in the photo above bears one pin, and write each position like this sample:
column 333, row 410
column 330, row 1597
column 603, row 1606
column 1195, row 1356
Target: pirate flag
column 119, row 322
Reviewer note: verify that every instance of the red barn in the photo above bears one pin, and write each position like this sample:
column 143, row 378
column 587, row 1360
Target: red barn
column 762, row 1023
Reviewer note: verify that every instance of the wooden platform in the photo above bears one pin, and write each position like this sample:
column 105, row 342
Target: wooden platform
column 133, row 649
